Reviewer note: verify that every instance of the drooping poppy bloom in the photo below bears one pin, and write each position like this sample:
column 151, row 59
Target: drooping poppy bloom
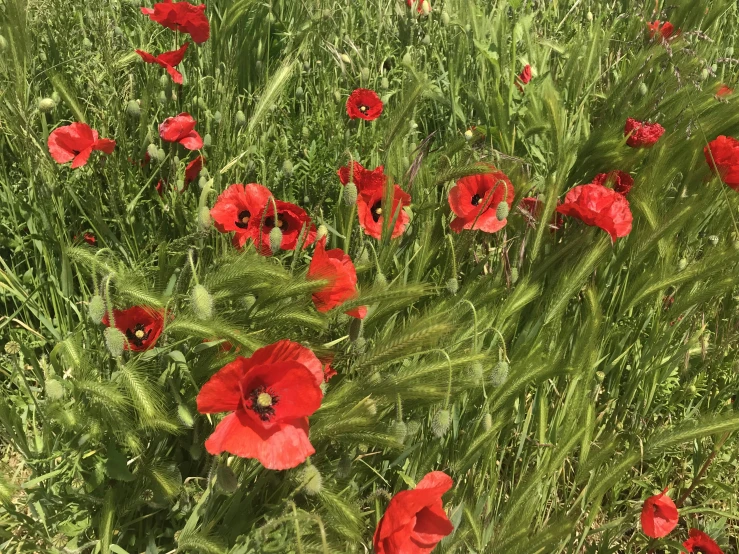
column 141, row 325
column 270, row 394
column 371, row 214
column 364, row 104
column 181, row 16
column 724, row 91
column 75, row 142
column 335, row 267
column 658, row 516
column 621, row 181
column 700, row 543
column 664, row 29
column 641, row 134
column 292, row 220
column 181, row 128
column 474, row 200
column 238, row 209
column 599, row 206
column 167, row 60
column 192, row 170
column 524, row 77
column 722, row 156
column 364, row 179
column 419, row 5
column 415, row 521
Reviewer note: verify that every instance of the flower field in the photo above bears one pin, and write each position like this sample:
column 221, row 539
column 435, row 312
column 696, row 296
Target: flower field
column 400, row 277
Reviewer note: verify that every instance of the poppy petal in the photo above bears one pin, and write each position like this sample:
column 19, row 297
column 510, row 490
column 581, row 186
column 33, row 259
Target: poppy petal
column 104, row 145
column 192, row 141
column 222, row 392
column 81, row 158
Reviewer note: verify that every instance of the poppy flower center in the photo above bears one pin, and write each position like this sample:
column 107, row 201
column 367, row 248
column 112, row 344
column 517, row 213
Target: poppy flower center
column 376, row 210
column 242, row 221
column 263, row 402
column 363, row 108
column 476, row 199
column 281, row 223
column 138, row 334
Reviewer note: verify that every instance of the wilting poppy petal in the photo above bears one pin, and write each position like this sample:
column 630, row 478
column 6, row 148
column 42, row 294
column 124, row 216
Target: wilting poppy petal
column 659, row 516
column 335, row 267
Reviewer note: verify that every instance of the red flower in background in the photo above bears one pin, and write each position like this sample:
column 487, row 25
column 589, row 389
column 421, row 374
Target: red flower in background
column 193, row 169
column 699, row 542
column 722, row 156
column 364, row 179
column 181, row 128
column 270, row 394
column 89, row 238
column 666, row 29
column 292, row 221
column 599, row 206
column 641, row 134
column 238, row 209
column 474, row 200
column 533, row 208
column 419, row 5
column 167, row 60
column 621, row 181
column 524, row 77
column 75, row 142
column 181, row 16
column 364, row 104
column 658, row 516
column 370, row 211
column 415, row 521
column 723, row 91
column 141, row 325
column 337, row 268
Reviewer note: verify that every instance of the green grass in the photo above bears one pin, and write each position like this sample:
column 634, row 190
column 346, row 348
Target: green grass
column 610, row 397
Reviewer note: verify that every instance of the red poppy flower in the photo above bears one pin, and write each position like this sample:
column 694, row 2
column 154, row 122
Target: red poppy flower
column 723, row 91
column 599, row 206
column 415, row 521
column 364, row 179
column 238, row 209
column 161, row 183
column 167, row 60
column 641, row 134
column 722, row 156
column 699, row 542
column 419, row 5
column 271, row 395
column 622, row 181
column 141, row 325
column 89, row 238
column 666, row 29
column 364, row 104
column 370, row 211
column 181, row 128
column 337, row 268
column 193, row 169
column 328, row 373
column 181, row 16
column 474, row 200
column 524, row 77
column 658, row 516
column 291, row 220
column 75, row 143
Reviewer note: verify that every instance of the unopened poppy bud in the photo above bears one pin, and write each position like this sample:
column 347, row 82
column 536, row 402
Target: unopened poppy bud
column 161, row 155
column 713, row 239
column 499, row 373
column 306, row 132
column 487, row 422
column 271, row 17
column 53, row 389
column 426, row 40
column 468, row 28
column 321, row 232
column 202, row 302
column 346, row 59
column 705, row 73
column 46, row 105
column 380, row 279
column 475, row 372
column 514, row 275
column 441, row 423
column 355, row 329
column 240, row 118
column 468, row 134
column 153, row 151
column 311, row 480
column 360, row 346
column 133, row 109
column 407, row 60
column 115, row 341
column 201, row 103
column 87, row 43
column 287, row 168
column 299, row 93
column 162, row 97
column 184, row 415
column 249, row 301
column 96, row 308
column 3, row 43
column 217, row 117
column 207, row 140
column 204, row 219
column 445, row 19
column 350, row 194
column 692, row 390
column 501, row 212
column 398, row 430
column 425, row 7
column 590, row 16
column 364, row 74
column 226, row 479
column 385, row 83
column 452, row 285
column 275, row 239
column 682, row 264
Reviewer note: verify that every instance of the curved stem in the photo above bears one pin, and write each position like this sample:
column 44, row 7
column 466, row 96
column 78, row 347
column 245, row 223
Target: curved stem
column 454, row 255
column 192, row 266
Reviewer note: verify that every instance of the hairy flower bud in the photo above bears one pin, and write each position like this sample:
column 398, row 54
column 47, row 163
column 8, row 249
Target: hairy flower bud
column 590, row 16
column 501, row 212
column 204, row 219
column 425, row 7
column 514, row 275
column 54, row 389
column 115, row 341
column 350, row 194
column 475, row 371
column 364, row 74
column 499, row 373
column 46, row 105
column 321, row 232
column 275, row 239
column 355, row 329
column 161, row 155
column 299, row 93
column 96, row 308
column 384, row 83
column 643, row 90
column 240, row 119
column 487, row 422
column 207, row 140
column 287, row 168
column 202, row 302
column 226, row 479
column 153, row 151
column 311, row 480
column 133, row 109
column 217, row 117
column 452, row 285
column 441, row 423
column 346, row 59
